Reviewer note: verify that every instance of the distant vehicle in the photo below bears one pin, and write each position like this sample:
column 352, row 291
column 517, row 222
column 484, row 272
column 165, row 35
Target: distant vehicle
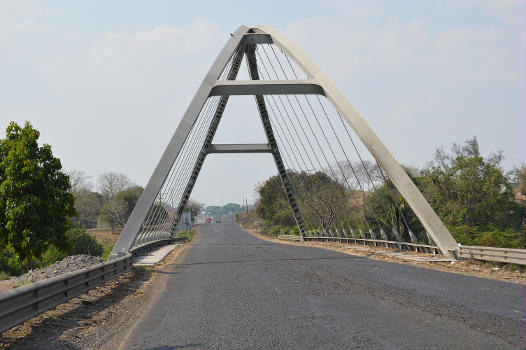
column 218, row 221
column 208, row 221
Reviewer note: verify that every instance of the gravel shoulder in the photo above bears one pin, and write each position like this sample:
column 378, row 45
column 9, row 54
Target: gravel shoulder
column 92, row 320
column 468, row 267
column 69, row 264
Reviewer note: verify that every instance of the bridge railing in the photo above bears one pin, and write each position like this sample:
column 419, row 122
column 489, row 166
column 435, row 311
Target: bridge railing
column 505, row 255
column 424, row 248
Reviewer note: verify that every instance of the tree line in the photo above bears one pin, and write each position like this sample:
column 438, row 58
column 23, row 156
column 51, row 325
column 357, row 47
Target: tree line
column 45, row 210
column 477, row 200
column 227, row 209
column 36, row 206
column 112, row 203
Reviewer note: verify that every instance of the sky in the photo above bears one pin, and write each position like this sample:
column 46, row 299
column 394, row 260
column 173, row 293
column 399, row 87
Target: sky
column 106, row 82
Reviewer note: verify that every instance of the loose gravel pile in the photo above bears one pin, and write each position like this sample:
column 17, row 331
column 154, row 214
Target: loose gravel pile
column 69, row 264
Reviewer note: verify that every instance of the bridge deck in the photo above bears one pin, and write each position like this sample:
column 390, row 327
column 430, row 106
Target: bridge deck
column 235, row 291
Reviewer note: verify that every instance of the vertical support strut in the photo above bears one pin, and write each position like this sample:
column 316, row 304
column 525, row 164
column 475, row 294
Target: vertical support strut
column 254, row 75
column 232, row 74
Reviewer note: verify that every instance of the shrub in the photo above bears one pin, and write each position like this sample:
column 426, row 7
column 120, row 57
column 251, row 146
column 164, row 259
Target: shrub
column 107, row 251
column 275, row 230
column 490, row 238
column 51, row 256
column 464, row 234
column 189, row 234
column 4, row 276
column 79, row 242
column 10, row 262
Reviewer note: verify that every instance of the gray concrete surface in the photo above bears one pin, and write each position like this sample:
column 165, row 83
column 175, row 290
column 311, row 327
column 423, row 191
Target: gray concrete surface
column 151, row 258
column 234, row 291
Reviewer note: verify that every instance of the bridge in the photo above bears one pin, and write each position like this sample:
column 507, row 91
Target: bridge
column 300, row 110
column 233, row 290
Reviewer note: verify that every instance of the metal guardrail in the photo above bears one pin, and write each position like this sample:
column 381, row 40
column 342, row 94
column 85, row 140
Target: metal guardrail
column 20, row 304
column 290, row 237
column 424, row 248
column 505, row 255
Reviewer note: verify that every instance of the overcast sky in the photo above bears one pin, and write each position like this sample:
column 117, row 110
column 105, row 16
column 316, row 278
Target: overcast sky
column 106, row 82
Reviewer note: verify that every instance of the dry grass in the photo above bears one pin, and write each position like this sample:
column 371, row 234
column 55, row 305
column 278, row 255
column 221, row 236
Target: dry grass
column 104, row 235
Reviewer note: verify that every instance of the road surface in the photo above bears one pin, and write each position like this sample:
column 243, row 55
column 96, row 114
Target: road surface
column 234, row 291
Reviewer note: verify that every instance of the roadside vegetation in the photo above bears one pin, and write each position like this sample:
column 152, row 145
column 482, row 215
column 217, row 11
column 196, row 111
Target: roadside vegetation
column 38, row 216
column 189, row 234
column 47, row 214
column 477, row 200
column 227, row 209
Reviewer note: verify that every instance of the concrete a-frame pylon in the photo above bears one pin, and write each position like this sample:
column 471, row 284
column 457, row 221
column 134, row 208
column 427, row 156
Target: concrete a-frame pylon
column 242, row 42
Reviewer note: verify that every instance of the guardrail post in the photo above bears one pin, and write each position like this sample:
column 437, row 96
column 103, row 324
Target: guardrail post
column 35, row 305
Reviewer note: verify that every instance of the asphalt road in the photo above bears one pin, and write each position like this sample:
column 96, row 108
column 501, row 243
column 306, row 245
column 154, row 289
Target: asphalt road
column 234, row 291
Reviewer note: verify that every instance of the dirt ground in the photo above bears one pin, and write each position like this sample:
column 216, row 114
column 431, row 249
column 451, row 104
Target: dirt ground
column 91, row 320
column 6, row 285
column 104, row 235
column 467, row 267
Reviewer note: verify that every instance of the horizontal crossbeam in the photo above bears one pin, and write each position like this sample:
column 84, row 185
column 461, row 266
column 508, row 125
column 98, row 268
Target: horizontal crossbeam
column 239, row 148
column 253, row 39
column 266, row 87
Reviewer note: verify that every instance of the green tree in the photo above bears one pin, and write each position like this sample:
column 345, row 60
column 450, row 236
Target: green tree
column 129, row 198
column 120, row 205
column 232, row 207
column 10, row 263
column 324, row 201
column 194, row 208
column 518, row 177
column 273, row 206
column 387, row 207
column 34, row 200
column 467, row 189
column 79, row 242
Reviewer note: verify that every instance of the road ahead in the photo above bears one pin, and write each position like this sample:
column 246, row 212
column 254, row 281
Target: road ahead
column 234, row 291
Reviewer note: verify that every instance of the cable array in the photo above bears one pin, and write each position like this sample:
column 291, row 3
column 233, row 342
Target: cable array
column 161, row 218
column 338, row 188
column 322, row 155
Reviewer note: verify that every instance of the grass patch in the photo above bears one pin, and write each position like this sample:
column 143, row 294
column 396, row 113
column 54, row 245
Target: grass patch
column 4, row 276
column 22, row 282
column 107, row 250
column 189, row 234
